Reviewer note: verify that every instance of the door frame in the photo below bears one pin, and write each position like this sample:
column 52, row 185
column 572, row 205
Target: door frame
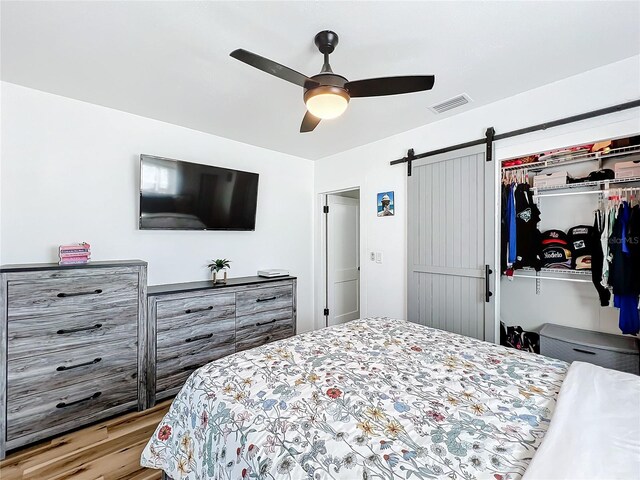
column 490, row 224
column 320, row 321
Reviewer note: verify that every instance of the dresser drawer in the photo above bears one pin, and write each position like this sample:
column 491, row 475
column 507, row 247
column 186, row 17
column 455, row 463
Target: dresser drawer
column 179, row 313
column 48, row 333
column 172, row 372
column 264, row 299
column 56, row 410
column 182, row 350
column 264, row 327
column 60, row 369
column 70, row 292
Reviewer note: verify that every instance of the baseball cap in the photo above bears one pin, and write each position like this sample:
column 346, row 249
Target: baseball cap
column 580, row 237
column 555, row 237
column 555, row 249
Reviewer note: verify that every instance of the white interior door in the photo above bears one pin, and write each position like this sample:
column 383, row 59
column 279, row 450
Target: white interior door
column 451, row 244
column 343, row 259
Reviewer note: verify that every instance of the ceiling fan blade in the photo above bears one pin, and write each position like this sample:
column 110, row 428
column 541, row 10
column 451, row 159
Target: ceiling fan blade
column 376, row 87
column 309, row 123
column 274, row 68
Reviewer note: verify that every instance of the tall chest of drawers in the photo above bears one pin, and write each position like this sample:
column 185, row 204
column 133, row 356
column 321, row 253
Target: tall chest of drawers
column 192, row 324
column 72, row 347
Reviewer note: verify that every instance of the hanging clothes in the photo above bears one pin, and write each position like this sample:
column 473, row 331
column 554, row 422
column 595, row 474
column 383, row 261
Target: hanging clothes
column 632, row 239
column 504, row 228
column 604, row 245
column 620, row 272
column 511, row 221
column 597, row 259
column 624, row 275
column 629, row 321
column 527, row 217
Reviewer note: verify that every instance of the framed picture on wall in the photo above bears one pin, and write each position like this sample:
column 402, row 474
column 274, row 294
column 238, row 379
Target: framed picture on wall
column 386, row 205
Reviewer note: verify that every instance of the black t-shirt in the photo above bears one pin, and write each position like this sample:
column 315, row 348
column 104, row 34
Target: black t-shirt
column 527, row 233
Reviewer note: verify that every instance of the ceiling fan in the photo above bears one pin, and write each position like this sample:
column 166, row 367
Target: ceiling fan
column 327, row 94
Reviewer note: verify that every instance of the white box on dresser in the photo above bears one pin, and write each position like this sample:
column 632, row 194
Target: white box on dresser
column 73, row 341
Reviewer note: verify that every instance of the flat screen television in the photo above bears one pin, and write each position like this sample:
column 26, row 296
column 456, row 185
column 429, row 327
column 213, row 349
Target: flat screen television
column 177, row 195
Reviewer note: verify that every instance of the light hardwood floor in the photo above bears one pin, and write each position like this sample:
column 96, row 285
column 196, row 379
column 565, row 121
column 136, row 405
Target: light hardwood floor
column 109, row 450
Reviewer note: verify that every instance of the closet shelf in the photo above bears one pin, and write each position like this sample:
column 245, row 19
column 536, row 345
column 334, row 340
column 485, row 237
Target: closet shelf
column 571, row 186
column 570, row 159
column 578, row 273
column 575, row 276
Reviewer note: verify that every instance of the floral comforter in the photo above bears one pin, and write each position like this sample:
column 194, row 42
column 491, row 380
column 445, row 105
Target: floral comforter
column 372, row 399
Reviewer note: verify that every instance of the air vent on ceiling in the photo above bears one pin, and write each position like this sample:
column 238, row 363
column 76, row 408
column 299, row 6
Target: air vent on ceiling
column 450, row 104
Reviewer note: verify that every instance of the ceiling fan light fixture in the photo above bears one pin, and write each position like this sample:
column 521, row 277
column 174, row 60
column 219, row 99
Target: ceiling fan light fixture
column 327, row 94
column 326, row 102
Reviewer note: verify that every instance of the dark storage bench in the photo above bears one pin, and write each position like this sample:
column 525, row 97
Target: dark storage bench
column 604, row 349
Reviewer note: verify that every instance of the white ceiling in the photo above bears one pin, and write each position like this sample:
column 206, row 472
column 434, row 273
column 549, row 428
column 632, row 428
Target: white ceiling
column 170, row 60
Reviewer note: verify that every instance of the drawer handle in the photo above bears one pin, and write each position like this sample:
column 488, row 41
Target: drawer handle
column 267, row 338
column 584, row 351
column 92, row 397
column 194, row 310
column 79, row 329
column 265, row 299
column 77, row 294
column 259, row 324
column 201, row 337
column 62, row 368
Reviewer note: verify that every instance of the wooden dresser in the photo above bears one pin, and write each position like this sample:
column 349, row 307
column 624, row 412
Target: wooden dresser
column 69, row 338
column 191, row 324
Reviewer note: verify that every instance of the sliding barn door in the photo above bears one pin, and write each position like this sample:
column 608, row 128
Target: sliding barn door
column 451, row 243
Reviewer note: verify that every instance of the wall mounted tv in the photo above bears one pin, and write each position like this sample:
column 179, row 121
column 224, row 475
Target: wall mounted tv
column 176, row 195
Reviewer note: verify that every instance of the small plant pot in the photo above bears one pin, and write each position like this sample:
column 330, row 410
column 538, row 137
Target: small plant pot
column 220, row 277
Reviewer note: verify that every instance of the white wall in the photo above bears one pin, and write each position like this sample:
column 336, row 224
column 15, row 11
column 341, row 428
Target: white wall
column 70, row 174
column 384, row 286
column 50, row 194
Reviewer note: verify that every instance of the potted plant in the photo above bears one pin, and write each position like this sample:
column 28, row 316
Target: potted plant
column 217, row 266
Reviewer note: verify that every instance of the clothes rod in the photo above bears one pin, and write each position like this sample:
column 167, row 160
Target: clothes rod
column 541, row 126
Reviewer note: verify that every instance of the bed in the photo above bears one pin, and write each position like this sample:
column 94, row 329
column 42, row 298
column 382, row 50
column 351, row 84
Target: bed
column 375, row 398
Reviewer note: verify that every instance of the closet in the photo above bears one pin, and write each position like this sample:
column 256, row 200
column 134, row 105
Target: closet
column 457, row 199
column 582, row 257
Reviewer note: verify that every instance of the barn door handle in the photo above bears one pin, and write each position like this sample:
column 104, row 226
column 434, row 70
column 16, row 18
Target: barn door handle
column 487, row 283
column 77, row 294
column 92, row 397
column 64, row 367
